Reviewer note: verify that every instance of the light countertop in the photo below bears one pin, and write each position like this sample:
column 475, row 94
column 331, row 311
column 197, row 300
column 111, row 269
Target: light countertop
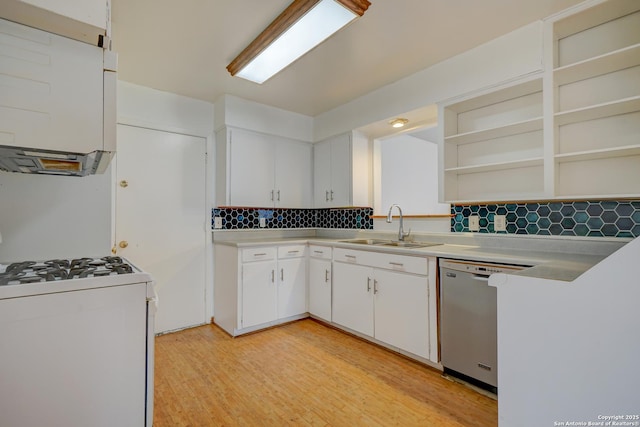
column 551, row 258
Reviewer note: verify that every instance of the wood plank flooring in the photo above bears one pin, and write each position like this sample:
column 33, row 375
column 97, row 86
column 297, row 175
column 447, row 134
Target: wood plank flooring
column 302, row 374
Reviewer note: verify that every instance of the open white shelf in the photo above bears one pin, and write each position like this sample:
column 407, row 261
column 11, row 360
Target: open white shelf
column 575, row 136
column 537, row 161
column 632, row 150
column 517, row 128
column 592, row 112
column 493, row 144
column 602, row 64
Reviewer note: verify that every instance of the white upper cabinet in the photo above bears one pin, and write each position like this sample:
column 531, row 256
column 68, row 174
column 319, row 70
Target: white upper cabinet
column 293, row 174
column 571, row 133
column 259, row 170
column 341, row 168
column 251, row 174
column 84, row 20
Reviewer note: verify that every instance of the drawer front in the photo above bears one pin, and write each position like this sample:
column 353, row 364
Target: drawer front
column 323, row 252
column 387, row 261
column 291, row 251
column 407, row 264
column 349, row 255
column 258, row 254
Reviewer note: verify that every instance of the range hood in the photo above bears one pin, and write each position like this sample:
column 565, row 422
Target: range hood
column 58, row 110
column 51, row 162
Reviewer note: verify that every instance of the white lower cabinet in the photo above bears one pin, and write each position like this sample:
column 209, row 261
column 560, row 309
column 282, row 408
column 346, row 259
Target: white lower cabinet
column 259, row 287
column 259, row 293
column 387, row 297
column 401, row 311
column 320, row 282
column 353, row 297
column 389, row 302
column 292, row 285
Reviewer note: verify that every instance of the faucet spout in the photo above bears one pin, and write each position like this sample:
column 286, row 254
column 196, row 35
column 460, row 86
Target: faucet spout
column 401, row 233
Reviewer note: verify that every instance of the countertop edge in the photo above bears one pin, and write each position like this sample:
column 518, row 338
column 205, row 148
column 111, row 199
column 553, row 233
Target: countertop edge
column 564, row 267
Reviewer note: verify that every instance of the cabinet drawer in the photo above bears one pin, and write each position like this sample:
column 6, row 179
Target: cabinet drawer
column 387, row 261
column 407, row 264
column 349, row 255
column 258, row 254
column 323, row 252
column 291, row 251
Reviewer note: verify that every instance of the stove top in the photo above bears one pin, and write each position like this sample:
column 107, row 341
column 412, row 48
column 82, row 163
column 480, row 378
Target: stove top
column 62, row 269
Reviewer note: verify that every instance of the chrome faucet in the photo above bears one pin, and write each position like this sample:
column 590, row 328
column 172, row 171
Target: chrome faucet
column 401, row 233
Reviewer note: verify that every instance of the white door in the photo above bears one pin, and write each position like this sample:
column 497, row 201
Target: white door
column 161, row 216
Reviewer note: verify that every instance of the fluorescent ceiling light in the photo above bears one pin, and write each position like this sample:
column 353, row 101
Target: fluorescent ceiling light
column 301, row 27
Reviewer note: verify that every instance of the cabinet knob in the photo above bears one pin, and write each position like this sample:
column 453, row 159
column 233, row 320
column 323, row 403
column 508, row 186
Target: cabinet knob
column 124, row 183
column 123, row 244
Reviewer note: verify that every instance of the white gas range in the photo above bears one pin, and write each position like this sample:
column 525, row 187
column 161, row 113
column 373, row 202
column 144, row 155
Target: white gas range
column 76, row 343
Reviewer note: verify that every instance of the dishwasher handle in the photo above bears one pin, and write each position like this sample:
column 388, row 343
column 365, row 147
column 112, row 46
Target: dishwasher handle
column 480, row 277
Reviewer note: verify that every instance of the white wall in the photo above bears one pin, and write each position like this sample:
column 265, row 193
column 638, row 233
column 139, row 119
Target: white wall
column 146, row 107
column 512, row 55
column 408, row 176
column 44, row 217
column 568, row 351
column 233, row 111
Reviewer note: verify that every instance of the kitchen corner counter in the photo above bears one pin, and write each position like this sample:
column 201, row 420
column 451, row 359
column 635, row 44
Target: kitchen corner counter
column 550, row 257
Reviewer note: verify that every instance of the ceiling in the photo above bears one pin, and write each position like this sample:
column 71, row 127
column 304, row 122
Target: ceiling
column 184, row 46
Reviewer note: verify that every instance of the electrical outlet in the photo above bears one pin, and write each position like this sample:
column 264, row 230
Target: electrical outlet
column 263, row 222
column 474, row 223
column 500, row 223
column 217, row 222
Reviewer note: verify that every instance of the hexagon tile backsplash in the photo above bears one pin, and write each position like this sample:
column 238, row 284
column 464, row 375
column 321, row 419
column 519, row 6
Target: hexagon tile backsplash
column 582, row 218
column 249, row 218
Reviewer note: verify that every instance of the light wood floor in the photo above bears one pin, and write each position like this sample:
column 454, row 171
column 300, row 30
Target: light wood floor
column 302, row 374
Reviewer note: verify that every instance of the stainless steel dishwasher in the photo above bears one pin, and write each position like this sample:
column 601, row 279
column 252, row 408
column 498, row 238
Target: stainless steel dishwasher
column 468, row 326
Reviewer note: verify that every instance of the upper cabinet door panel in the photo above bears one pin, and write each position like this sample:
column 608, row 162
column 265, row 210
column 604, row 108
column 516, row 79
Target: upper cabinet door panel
column 341, row 171
column 334, row 178
column 251, row 169
column 293, row 174
column 321, row 174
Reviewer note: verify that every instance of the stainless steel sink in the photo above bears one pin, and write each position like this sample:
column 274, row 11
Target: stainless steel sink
column 410, row 244
column 367, row 241
column 392, row 243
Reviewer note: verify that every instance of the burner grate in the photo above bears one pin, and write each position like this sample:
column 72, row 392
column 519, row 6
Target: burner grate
column 63, row 269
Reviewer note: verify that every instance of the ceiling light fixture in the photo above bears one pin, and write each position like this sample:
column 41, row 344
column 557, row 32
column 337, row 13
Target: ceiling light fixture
column 301, row 27
column 398, row 123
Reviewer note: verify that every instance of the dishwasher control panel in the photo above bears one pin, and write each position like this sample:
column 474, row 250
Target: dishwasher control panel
column 476, row 267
